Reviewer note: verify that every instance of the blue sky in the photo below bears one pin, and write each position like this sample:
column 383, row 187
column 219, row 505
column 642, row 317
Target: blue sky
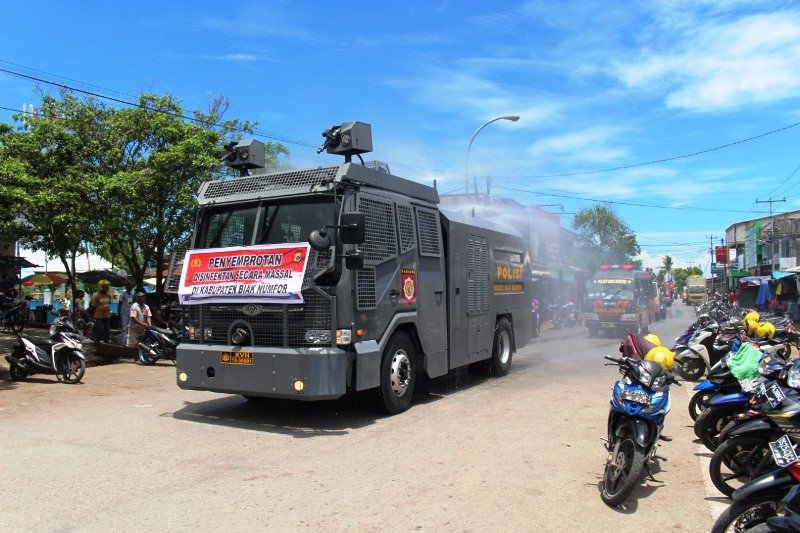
column 598, row 85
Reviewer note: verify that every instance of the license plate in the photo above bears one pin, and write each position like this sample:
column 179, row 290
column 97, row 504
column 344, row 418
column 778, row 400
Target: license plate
column 783, row 451
column 236, row 358
column 609, row 324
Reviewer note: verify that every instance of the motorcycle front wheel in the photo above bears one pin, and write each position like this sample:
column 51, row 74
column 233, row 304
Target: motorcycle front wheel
column 698, row 403
column 745, row 515
column 623, row 470
column 739, row 460
column 710, row 422
column 691, row 369
column 17, row 321
column 73, row 370
column 17, row 373
column 558, row 322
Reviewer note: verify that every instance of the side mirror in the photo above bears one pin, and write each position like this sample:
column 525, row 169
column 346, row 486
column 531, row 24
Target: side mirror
column 354, row 259
column 352, row 228
column 319, row 240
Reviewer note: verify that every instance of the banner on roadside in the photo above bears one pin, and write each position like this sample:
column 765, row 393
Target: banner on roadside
column 269, row 273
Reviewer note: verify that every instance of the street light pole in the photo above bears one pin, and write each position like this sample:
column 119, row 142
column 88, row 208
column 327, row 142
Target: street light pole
column 512, row 118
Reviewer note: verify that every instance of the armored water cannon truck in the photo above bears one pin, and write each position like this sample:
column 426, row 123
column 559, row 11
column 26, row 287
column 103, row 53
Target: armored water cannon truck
column 308, row 284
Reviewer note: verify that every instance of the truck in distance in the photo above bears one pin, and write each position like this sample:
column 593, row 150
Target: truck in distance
column 620, row 297
column 309, row 284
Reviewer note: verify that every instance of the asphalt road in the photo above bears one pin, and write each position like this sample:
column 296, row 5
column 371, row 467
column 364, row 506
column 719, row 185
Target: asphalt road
column 126, row 450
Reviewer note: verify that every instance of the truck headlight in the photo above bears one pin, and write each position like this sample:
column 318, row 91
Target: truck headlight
column 591, row 316
column 627, row 318
column 207, row 334
column 191, row 332
column 344, row 336
column 318, row 336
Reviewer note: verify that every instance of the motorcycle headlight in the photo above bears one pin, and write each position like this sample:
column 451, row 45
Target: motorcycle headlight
column 793, row 377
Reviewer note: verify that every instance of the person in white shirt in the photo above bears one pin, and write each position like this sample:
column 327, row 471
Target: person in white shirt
column 140, row 320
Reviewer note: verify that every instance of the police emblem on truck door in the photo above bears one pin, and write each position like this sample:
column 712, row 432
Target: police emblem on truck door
column 408, row 283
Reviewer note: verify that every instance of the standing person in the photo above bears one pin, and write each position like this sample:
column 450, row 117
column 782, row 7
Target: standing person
column 101, row 304
column 7, row 287
column 125, row 301
column 140, row 320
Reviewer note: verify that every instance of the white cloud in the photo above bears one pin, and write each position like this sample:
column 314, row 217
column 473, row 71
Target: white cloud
column 721, row 64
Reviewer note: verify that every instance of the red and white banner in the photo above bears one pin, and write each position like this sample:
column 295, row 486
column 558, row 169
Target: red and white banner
column 269, row 273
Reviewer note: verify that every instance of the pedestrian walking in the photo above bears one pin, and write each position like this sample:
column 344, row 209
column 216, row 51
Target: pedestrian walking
column 140, row 316
column 101, row 311
column 125, row 302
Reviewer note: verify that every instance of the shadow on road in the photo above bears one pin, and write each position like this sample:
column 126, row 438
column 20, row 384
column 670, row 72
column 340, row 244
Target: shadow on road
column 316, row 419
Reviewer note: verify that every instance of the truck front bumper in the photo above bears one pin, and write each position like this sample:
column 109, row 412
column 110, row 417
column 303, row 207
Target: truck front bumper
column 296, row 373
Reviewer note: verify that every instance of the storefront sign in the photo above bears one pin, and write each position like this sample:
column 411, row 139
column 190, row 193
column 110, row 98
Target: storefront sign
column 270, row 273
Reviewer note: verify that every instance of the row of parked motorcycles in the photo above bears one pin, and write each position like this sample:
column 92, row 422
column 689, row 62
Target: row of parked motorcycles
column 562, row 316
column 746, row 411
column 61, row 354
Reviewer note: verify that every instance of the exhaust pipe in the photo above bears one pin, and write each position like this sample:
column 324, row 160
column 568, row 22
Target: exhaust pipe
column 150, row 351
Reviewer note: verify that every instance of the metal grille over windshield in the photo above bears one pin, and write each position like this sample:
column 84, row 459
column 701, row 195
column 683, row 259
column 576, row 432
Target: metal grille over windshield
column 248, row 186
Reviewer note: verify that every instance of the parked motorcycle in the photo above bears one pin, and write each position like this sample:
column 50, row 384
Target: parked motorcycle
column 566, row 315
column 703, row 351
column 160, row 343
column 639, row 403
column 13, row 314
column 61, row 354
column 761, row 500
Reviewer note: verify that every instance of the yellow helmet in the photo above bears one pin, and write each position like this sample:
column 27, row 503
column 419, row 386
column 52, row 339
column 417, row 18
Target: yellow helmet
column 652, row 337
column 765, row 330
column 752, row 316
column 751, row 326
column 663, row 356
column 103, row 283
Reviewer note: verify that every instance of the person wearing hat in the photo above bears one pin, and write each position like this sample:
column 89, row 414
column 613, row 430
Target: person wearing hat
column 140, row 320
column 101, row 304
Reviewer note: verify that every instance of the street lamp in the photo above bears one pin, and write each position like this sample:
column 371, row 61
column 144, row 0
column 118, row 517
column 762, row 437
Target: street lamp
column 512, row 118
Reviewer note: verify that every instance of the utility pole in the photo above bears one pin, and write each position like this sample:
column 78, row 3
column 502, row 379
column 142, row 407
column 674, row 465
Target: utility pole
column 771, row 230
column 711, row 244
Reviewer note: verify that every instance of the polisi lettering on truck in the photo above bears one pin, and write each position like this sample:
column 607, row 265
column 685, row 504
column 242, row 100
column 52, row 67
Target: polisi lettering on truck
column 388, row 288
column 620, row 297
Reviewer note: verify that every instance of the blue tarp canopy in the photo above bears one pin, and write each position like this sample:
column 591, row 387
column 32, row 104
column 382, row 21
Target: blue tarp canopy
column 779, row 275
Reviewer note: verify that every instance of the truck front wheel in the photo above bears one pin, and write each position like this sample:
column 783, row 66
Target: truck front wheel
column 398, row 375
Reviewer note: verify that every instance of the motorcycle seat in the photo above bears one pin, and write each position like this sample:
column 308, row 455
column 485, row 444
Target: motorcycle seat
column 163, row 331
column 39, row 341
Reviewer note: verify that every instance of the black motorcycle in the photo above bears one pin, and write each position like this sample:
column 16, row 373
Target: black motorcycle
column 61, row 354
column 536, row 320
column 160, row 343
column 566, row 315
column 13, row 314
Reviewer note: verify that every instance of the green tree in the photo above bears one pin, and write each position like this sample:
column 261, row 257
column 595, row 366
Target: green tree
column 603, row 238
column 667, row 261
column 680, row 275
column 57, row 154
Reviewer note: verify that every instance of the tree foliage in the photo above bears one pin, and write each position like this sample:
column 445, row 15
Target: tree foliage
column 680, row 274
column 121, row 180
column 603, row 238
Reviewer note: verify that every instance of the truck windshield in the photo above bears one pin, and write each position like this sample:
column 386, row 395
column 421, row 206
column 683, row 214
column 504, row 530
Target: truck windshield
column 279, row 222
column 611, row 290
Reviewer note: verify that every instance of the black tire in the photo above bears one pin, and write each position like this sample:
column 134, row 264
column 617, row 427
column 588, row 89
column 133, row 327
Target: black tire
column 17, row 321
column 502, row 348
column 144, row 356
column 692, row 369
column 17, row 373
column 743, row 515
column 558, row 322
column 738, row 460
column 73, row 368
column 537, row 327
column 711, row 421
column 698, row 403
column 623, row 470
column 398, row 375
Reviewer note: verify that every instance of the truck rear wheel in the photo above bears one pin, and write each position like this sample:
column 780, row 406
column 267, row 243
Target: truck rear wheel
column 503, row 349
column 398, row 375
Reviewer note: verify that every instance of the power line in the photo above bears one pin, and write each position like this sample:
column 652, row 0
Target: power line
column 620, row 202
